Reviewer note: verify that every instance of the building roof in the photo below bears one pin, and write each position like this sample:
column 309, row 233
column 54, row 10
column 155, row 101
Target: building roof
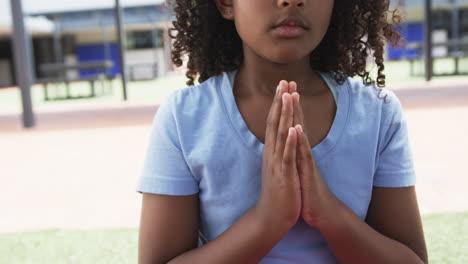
column 90, row 14
column 58, row 6
column 34, row 25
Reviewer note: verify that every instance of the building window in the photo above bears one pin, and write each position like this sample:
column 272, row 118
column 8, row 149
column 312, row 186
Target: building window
column 144, row 39
column 464, row 23
column 441, row 19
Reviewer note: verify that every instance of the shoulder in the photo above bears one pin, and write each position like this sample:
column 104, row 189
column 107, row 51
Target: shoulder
column 193, row 97
column 185, row 109
column 380, row 100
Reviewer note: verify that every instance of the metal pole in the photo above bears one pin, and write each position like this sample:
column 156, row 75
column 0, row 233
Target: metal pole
column 428, row 40
column 121, row 46
column 154, row 39
column 455, row 23
column 58, row 53
column 22, row 57
column 59, row 56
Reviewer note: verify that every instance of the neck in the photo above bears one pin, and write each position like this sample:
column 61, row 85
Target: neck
column 258, row 76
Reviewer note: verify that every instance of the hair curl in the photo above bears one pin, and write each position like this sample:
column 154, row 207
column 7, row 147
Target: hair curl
column 358, row 29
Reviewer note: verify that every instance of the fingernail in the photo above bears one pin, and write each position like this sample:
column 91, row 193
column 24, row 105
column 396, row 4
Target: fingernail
column 291, row 130
column 296, row 96
column 280, row 86
column 284, row 98
column 293, row 85
column 299, row 127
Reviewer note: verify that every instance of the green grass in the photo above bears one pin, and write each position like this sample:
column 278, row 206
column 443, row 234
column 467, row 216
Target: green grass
column 58, row 246
column 152, row 90
column 446, row 238
column 156, row 90
column 399, row 71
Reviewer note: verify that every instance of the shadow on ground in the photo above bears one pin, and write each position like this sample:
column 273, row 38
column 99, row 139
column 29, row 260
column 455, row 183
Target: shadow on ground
column 82, row 119
column 440, row 97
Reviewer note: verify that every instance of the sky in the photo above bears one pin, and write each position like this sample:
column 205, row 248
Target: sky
column 36, row 6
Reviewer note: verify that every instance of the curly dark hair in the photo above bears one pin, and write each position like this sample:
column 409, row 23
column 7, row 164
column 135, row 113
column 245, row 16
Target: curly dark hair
column 358, row 29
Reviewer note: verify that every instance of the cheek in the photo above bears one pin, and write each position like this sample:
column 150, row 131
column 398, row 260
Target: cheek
column 252, row 29
column 248, row 21
column 322, row 16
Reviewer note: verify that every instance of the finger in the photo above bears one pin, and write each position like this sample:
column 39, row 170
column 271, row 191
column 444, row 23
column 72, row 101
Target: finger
column 274, row 116
column 298, row 119
column 286, row 120
column 289, row 155
column 300, row 115
column 304, row 162
column 292, row 87
column 304, row 153
column 296, row 106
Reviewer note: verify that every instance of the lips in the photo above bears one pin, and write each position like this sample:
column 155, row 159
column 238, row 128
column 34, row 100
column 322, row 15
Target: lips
column 291, row 21
column 290, row 27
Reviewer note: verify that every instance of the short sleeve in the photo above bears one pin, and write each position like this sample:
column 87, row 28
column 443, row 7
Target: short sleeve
column 165, row 170
column 395, row 161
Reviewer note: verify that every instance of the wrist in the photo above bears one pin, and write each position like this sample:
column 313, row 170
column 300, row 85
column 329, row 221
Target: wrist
column 332, row 217
column 271, row 226
column 331, row 213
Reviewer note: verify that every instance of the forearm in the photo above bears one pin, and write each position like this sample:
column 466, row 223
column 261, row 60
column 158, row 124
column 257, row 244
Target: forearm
column 353, row 241
column 246, row 241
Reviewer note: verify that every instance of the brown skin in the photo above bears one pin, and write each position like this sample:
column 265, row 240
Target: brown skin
column 168, row 227
column 167, row 218
column 383, row 238
column 320, row 109
column 266, row 56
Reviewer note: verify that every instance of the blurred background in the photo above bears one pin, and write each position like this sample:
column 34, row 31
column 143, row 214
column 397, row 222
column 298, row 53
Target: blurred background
column 80, row 82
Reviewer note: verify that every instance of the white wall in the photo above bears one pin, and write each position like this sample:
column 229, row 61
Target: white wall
column 71, row 74
column 146, row 56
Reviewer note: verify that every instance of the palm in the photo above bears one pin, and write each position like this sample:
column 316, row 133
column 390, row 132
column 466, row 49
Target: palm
column 316, row 197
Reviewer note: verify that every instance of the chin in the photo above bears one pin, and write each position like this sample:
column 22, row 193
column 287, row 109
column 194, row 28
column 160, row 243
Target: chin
column 286, row 57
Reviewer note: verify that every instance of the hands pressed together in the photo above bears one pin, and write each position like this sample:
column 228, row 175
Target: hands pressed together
column 292, row 185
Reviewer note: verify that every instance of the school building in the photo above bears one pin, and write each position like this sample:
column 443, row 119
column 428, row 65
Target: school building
column 79, row 36
column 449, row 20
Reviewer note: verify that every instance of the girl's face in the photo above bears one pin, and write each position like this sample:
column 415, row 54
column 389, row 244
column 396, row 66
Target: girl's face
column 282, row 31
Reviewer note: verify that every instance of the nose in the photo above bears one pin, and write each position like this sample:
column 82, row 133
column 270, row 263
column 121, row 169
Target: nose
column 289, row 3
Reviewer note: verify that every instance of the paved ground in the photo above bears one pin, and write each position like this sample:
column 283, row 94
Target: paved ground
column 79, row 166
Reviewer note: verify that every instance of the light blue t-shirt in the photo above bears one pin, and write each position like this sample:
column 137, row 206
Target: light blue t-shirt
column 201, row 144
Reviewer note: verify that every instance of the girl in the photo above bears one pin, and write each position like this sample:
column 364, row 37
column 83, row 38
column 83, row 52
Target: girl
column 323, row 174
